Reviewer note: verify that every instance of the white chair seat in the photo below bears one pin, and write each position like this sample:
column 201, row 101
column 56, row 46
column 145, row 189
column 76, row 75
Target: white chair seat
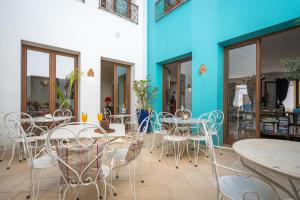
column 160, row 132
column 175, row 138
column 234, row 187
column 118, row 154
column 45, row 161
column 105, row 171
column 196, row 137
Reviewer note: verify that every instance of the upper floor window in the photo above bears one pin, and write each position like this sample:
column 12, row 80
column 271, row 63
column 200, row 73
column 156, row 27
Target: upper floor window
column 162, row 7
column 123, row 8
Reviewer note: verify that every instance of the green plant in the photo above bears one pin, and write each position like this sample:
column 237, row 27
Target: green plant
column 145, row 94
column 65, row 96
column 292, row 67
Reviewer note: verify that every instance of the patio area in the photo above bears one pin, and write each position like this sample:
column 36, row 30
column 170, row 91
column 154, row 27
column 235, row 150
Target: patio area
column 162, row 180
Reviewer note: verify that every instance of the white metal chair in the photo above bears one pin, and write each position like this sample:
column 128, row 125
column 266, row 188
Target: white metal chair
column 173, row 137
column 108, row 115
column 237, row 187
column 131, row 154
column 36, row 161
column 197, row 137
column 13, row 135
column 183, row 113
column 216, row 119
column 62, row 113
column 156, row 129
column 82, row 161
column 3, row 136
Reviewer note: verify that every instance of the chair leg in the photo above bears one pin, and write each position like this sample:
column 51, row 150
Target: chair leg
column 162, row 150
column 187, row 150
column 153, row 142
column 3, row 154
column 12, row 156
column 140, row 168
column 218, row 142
column 132, row 179
column 20, row 152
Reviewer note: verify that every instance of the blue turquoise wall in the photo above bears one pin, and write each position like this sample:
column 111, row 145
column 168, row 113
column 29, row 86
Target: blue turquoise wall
column 202, row 28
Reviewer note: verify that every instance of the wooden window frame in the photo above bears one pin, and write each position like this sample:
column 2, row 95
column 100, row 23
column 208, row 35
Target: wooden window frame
column 256, row 40
column 52, row 77
column 178, row 65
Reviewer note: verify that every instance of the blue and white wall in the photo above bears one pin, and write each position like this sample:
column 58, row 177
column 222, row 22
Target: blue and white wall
column 202, row 29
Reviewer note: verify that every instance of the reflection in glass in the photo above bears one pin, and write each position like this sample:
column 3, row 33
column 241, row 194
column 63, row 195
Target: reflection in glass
column 38, row 83
column 107, row 86
column 170, row 86
column 186, row 85
column 122, row 92
column 64, row 66
column 241, row 92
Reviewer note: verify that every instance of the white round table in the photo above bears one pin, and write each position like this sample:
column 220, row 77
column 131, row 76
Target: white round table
column 121, row 116
column 183, row 121
column 279, row 156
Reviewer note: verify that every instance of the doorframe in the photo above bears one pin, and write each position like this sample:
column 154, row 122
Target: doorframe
column 256, row 40
column 115, row 65
column 52, row 75
column 164, row 68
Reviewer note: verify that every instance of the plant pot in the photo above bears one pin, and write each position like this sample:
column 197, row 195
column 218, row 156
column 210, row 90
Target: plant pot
column 142, row 114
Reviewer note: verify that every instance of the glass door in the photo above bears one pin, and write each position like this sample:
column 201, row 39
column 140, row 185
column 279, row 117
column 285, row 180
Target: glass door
column 177, row 85
column 121, row 89
column 241, row 91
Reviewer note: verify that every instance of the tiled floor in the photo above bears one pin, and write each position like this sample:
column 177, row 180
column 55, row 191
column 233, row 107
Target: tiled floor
column 162, row 180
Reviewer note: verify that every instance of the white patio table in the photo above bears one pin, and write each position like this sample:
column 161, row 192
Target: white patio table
column 181, row 121
column 43, row 119
column 121, row 116
column 90, row 133
column 279, row 156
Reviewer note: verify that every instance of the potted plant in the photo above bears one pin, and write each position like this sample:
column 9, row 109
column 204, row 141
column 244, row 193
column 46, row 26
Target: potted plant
column 145, row 96
column 64, row 94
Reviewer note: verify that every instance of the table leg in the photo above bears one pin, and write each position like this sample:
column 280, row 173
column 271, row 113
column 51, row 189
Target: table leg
column 293, row 196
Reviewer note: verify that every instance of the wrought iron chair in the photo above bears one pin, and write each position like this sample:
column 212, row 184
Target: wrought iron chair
column 62, row 113
column 13, row 135
column 36, row 161
column 183, row 113
column 108, row 115
column 197, row 137
column 173, row 137
column 156, row 128
column 82, row 161
column 216, row 118
column 3, row 136
column 131, row 154
column 244, row 186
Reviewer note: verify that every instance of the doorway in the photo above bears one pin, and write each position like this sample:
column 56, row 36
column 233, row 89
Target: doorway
column 177, row 85
column 115, row 87
column 259, row 99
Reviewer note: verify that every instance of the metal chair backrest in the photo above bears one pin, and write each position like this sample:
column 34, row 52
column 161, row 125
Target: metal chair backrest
column 24, row 120
column 107, row 114
column 167, row 122
column 216, row 119
column 210, row 148
column 136, row 144
column 28, row 145
column 183, row 113
column 79, row 158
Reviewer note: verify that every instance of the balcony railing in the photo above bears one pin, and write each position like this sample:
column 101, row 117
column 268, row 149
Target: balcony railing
column 122, row 8
column 163, row 7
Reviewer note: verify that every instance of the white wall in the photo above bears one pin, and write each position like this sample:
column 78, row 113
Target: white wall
column 73, row 25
